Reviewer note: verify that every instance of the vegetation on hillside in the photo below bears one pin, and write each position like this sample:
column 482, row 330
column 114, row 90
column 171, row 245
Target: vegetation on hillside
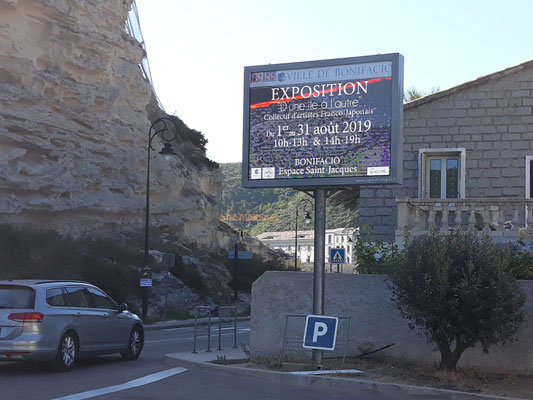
column 114, row 265
column 47, row 255
column 276, row 208
column 196, row 153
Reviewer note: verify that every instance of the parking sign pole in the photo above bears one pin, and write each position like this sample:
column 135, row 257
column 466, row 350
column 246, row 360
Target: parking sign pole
column 320, row 258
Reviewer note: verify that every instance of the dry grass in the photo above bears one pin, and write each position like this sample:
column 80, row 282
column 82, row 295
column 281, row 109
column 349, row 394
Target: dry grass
column 390, row 371
column 464, row 380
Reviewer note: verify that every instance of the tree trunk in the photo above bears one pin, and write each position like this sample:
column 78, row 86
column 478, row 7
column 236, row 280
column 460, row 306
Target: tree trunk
column 450, row 359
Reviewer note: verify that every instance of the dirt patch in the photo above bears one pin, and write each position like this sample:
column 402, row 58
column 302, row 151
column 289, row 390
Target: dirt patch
column 464, row 380
column 389, row 371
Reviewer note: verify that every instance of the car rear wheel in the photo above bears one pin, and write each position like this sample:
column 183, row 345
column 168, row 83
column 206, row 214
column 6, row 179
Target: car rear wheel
column 135, row 344
column 67, row 354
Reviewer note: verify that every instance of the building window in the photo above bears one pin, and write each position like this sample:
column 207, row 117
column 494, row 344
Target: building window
column 442, row 173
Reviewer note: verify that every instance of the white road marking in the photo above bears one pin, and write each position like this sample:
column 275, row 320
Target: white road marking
column 145, row 380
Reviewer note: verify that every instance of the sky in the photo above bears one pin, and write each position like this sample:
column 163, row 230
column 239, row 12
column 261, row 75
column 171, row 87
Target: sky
column 198, row 49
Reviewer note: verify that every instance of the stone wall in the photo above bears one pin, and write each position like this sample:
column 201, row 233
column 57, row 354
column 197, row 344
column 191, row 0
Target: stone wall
column 75, row 111
column 491, row 118
column 375, row 321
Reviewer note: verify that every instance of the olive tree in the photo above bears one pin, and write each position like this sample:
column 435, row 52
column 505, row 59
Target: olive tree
column 454, row 288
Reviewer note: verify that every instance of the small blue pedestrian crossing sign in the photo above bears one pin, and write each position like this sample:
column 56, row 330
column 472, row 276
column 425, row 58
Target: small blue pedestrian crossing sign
column 320, row 332
column 337, row 256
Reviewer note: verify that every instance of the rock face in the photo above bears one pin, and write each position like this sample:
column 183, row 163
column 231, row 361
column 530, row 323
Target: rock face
column 75, row 111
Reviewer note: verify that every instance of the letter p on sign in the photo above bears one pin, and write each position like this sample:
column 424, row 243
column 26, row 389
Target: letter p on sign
column 320, row 332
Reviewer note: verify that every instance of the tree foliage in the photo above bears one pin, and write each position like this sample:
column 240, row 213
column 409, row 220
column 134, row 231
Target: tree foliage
column 413, row 93
column 456, row 289
column 376, row 257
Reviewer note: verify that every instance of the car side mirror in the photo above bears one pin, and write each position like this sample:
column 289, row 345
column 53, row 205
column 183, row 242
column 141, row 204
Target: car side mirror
column 123, row 307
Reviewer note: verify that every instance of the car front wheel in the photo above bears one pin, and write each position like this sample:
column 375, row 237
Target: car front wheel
column 67, row 354
column 135, row 344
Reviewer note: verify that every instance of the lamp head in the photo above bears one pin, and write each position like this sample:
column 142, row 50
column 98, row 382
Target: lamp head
column 167, row 151
column 307, row 218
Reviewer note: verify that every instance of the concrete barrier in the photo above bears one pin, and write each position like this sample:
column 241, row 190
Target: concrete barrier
column 375, row 321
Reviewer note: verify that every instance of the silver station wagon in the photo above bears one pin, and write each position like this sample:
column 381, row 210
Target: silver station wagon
column 61, row 321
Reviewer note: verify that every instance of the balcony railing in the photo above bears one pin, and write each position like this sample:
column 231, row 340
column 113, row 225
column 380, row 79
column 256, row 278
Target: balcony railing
column 500, row 217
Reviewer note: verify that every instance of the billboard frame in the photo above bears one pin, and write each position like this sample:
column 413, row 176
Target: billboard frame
column 396, row 150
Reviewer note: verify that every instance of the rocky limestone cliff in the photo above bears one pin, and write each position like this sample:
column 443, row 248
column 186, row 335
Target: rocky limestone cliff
column 75, row 110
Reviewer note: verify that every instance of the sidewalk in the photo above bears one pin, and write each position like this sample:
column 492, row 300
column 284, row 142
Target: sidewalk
column 204, row 359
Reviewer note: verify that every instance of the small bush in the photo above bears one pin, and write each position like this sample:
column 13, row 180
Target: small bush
column 456, row 289
column 376, row 257
column 189, row 275
column 179, row 314
column 521, row 263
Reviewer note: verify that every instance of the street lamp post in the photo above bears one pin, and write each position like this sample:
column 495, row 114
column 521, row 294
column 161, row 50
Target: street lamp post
column 307, row 205
column 348, row 248
column 160, row 126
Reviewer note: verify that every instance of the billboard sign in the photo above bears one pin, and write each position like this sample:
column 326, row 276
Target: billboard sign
column 323, row 123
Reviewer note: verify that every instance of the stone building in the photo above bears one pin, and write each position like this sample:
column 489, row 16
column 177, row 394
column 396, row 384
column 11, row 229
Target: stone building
column 335, row 238
column 467, row 161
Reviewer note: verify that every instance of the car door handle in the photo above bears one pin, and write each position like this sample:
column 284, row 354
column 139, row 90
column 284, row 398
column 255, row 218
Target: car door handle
column 78, row 314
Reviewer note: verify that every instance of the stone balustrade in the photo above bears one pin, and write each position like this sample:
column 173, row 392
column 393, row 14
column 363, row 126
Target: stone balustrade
column 500, row 217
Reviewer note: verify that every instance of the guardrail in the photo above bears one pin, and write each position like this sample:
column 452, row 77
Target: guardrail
column 200, row 311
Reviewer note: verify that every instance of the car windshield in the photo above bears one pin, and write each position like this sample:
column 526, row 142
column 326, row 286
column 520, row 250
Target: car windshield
column 16, row 296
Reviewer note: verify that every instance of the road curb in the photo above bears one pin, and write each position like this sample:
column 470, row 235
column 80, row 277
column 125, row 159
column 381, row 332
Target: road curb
column 389, row 389
column 158, row 326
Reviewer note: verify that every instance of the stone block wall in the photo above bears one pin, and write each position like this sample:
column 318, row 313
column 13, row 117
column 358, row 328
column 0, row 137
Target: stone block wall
column 375, row 321
column 491, row 118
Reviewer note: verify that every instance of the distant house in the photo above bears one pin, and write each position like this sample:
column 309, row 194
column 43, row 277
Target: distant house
column 335, row 238
column 467, row 162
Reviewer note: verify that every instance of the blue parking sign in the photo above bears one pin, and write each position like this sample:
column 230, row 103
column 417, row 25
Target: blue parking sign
column 320, row 332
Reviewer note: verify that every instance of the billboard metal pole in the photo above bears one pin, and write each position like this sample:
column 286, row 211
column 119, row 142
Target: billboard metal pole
column 235, row 269
column 319, row 265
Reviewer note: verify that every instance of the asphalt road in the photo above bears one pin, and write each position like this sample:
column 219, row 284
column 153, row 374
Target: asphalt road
column 93, row 378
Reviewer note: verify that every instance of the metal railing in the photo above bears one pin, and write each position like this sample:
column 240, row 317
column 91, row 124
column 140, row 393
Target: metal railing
column 293, row 338
column 223, row 322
